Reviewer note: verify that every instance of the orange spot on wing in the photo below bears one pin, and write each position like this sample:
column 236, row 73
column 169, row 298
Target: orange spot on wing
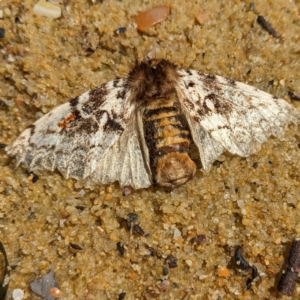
column 64, row 123
column 70, row 117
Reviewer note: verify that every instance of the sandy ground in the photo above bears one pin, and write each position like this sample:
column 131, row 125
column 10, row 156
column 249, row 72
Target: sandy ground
column 251, row 201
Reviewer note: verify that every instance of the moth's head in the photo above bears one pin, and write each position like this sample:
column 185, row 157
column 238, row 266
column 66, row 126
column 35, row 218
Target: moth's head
column 152, row 79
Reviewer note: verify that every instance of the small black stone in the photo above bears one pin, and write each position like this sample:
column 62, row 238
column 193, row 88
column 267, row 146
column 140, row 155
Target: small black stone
column 165, row 271
column 138, row 229
column 172, row 261
column 122, row 296
column 35, row 178
column 76, row 247
column 80, row 207
column 120, row 248
column 121, row 30
column 2, row 32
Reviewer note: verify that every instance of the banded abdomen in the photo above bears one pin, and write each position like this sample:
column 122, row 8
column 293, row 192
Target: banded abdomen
column 168, row 139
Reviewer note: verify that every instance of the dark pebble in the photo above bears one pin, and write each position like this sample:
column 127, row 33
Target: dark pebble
column 2, row 32
column 76, row 247
column 80, row 207
column 120, row 30
column 138, row 229
column 172, row 261
column 122, row 296
column 35, row 178
column 120, row 248
column 165, row 271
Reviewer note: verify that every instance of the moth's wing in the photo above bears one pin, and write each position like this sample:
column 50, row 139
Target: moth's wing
column 227, row 115
column 89, row 137
column 127, row 161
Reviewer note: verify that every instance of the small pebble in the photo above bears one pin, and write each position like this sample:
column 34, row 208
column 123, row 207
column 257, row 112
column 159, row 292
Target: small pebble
column 47, row 9
column 75, row 247
column 120, row 248
column 138, row 229
column 122, row 296
column 119, row 31
column 55, row 292
column 165, row 271
column 223, row 272
column 7, row 12
column 202, row 17
column 200, row 238
column 172, row 261
column 18, row 294
column 189, row 262
column 108, row 197
column 80, row 207
column 151, row 17
column 177, row 234
column 2, row 32
column 133, row 217
column 165, row 285
column 126, row 191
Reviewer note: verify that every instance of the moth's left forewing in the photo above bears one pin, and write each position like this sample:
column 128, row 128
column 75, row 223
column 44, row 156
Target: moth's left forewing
column 227, row 115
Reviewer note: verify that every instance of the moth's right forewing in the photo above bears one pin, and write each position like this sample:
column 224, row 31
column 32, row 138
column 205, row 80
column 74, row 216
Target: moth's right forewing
column 87, row 135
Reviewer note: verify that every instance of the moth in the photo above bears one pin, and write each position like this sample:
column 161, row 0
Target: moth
column 138, row 130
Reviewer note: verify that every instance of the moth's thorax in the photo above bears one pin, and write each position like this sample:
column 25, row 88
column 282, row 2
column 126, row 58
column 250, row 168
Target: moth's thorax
column 155, row 78
column 168, row 139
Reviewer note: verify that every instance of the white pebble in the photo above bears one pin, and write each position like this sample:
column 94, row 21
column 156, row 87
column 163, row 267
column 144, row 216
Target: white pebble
column 47, row 9
column 215, row 220
column 282, row 82
column 189, row 262
column 166, row 226
column 244, row 211
column 177, row 233
column 7, row 12
column 17, row 294
column 240, row 203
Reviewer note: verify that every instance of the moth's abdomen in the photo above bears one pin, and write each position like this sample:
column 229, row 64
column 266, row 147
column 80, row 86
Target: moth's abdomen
column 168, row 139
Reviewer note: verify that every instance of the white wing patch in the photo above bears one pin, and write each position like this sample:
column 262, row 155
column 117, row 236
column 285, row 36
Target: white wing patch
column 227, row 115
column 94, row 135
